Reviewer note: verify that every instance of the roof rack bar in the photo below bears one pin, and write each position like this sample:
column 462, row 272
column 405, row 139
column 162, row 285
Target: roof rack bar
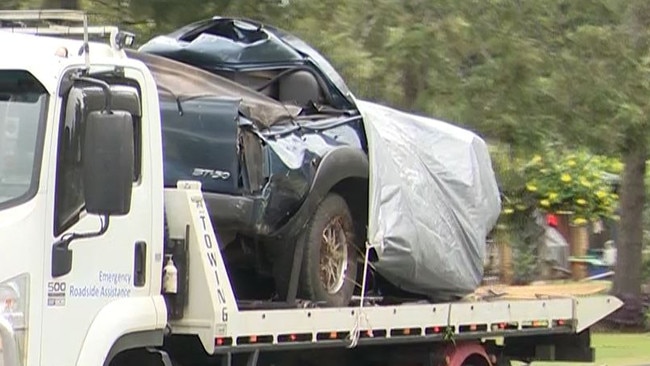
column 63, row 30
column 53, row 14
column 45, row 14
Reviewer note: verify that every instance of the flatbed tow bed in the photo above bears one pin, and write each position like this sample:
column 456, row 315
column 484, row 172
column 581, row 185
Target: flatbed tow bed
column 214, row 315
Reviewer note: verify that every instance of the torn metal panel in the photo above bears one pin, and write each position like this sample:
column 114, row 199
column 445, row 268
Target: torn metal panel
column 184, row 82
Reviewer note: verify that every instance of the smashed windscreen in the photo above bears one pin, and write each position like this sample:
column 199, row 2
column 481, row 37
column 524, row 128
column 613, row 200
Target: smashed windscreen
column 223, row 42
column 233, row 44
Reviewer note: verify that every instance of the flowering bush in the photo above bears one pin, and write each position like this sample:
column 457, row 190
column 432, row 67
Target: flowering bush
column 579, row 184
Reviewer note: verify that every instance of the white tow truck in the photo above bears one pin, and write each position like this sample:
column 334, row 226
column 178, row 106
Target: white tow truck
column 89, row 276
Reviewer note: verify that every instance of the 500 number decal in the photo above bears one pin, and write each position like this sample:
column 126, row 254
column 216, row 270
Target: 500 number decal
column 56, row 287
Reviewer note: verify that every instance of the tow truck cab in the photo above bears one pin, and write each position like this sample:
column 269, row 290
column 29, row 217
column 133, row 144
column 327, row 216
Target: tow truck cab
column 75, row 271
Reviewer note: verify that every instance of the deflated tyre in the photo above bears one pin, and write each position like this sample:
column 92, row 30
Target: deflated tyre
column 329, row 262
column 330, row 258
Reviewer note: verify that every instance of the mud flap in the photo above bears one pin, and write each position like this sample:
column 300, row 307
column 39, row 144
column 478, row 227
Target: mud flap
column 558, row 347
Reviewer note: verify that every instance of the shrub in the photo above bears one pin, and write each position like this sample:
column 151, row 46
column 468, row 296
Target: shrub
column 576, row 183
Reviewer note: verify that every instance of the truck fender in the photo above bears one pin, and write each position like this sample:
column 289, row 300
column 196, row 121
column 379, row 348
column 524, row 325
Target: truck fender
column 123, row 324
column 335, row 166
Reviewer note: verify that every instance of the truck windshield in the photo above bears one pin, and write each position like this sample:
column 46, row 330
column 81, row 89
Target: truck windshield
column 23, row 102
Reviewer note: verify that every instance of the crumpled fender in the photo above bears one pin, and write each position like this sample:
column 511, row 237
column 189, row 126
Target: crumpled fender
column 335, row 166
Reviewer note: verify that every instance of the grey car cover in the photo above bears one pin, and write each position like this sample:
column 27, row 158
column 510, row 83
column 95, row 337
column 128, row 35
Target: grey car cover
column 433, row 200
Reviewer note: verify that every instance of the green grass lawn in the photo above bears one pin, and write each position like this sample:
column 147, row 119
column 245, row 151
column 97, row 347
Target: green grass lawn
column 613, row 349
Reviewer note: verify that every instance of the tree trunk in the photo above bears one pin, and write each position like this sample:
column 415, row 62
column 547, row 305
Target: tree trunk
column 627, row 279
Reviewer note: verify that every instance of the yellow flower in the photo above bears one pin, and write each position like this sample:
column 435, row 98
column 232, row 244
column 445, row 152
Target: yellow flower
column 531, row 187
column 520, row 207
column 601, row 194
column 508, row 211
column 566, row 178
column 581, row 201
column 571, row 163
column 579, row 221
column 544, row 203
column 536, row 159
column 552, row 196
column 617, row 166
column 585, row 182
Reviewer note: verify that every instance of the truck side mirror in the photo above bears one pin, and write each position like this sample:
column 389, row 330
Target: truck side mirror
column 108, row 155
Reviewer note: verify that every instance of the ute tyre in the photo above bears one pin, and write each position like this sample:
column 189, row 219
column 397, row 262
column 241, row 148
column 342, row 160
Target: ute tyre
column 329, row 267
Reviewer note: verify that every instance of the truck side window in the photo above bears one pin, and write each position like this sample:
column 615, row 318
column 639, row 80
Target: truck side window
column 69, row 199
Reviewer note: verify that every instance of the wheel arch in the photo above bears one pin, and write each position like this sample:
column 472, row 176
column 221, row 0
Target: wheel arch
column 354, row 191
column 140, row 320
column 132, row 346
column 341, row 170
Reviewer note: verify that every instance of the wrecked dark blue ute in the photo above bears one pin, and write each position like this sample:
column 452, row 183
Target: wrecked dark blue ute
column 273, row 134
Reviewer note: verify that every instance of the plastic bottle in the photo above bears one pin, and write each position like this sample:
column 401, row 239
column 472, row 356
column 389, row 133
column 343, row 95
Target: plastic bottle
column 170, row 276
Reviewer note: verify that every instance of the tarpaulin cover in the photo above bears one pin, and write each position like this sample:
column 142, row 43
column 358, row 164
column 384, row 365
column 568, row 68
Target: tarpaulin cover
column 433, row 200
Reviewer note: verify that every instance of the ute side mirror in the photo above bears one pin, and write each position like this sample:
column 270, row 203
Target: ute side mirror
column 107, row 170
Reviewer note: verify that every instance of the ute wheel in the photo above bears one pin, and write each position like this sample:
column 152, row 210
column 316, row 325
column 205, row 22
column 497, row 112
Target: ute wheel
column 329, row 265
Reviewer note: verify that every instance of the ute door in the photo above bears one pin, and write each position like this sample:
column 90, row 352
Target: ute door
column 202, row 143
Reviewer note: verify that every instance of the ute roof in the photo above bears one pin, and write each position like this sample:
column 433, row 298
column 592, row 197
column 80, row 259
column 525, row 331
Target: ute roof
column 227, row 43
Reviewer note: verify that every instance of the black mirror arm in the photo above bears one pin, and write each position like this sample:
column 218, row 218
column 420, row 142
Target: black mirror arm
column 67, row 239
column 104, row 85
column 61, row 253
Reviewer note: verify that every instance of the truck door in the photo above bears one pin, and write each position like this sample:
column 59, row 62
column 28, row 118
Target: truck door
column 109, row 272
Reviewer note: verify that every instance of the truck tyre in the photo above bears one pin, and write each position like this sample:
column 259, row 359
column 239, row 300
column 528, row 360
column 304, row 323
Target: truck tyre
column 329, row 266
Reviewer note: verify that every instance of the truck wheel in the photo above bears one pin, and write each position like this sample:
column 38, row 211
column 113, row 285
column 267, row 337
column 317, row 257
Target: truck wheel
column 329, row 267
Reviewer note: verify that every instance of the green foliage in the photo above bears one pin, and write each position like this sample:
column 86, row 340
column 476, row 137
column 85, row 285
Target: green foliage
column 574, row 183
column 518, row 224
column 525, row 235
column 557, row 181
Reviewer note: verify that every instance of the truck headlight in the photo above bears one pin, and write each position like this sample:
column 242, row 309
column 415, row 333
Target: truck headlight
column 14, row 303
